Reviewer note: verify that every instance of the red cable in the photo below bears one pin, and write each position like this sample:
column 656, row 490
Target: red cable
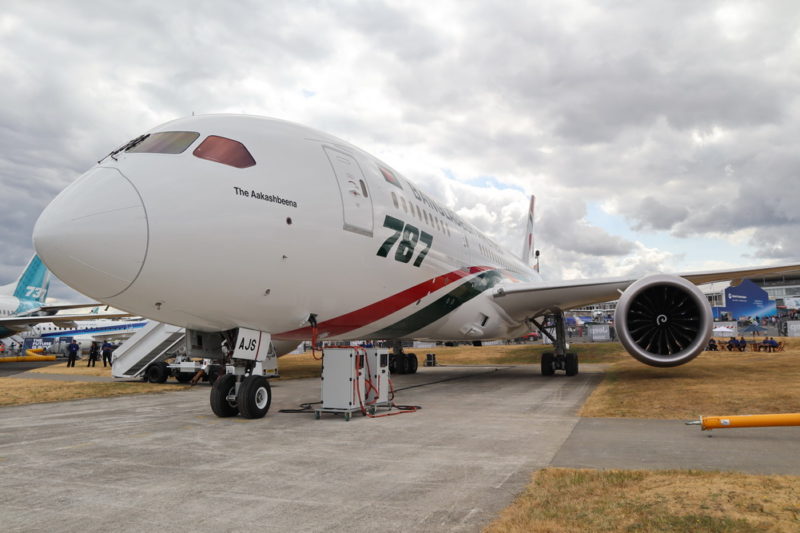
column 358, row 389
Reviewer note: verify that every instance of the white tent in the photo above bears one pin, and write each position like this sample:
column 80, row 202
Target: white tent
column 724, row 331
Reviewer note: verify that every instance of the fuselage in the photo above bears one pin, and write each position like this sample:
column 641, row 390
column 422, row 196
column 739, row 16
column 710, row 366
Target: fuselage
column 308, row 225
column 86, row 330
column 11, row 306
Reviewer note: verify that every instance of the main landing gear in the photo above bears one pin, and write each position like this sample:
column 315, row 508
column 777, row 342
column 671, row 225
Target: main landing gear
column 241, row 391
column 401, row 362
column 560, row 359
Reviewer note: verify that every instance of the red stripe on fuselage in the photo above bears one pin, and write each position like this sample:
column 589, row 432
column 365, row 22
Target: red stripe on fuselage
column 383, row 308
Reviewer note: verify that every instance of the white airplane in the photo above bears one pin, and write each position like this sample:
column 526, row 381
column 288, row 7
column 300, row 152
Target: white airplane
column 98, row 329
column 22, row 303
column 27, row 294
column 248, row 229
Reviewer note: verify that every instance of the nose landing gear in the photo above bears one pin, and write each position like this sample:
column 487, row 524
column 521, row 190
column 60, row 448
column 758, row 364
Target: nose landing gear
column 243, row 389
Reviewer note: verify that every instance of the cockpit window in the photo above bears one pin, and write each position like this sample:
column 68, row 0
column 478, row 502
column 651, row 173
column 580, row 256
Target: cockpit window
column 225, row 151
column 165, row 142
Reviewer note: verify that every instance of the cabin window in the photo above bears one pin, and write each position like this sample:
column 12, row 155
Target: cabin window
column 394, row 201
column 403, row 201
column 363, row 188
column 225, row 151
column 165, row 142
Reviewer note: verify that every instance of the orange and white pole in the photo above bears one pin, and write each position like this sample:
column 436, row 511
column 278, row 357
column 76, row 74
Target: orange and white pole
column 708, row 423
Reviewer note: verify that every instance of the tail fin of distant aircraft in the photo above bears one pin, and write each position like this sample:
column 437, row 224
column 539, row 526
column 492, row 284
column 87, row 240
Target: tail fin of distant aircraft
column 32, row 284
column 527, row 247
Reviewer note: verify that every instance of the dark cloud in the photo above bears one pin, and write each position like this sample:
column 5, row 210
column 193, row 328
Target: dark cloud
column 652, row 214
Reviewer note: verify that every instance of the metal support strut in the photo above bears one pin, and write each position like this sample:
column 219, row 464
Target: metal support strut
column 560, row 359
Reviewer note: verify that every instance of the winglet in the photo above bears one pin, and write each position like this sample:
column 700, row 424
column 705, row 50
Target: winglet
column 527, row 246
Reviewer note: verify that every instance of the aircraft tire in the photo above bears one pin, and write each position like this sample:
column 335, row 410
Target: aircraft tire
column 413, row 363
column 255, row 397
column 157, row 372
column 219, row 393
column 547, row 364
column 184, row 377
column 571, row 364
column 401, row 363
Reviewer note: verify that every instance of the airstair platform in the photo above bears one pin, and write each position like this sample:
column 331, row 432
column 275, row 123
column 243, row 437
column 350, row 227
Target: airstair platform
column 154, row 342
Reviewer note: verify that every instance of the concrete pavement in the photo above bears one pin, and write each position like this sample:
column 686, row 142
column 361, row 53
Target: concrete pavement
column 165, row 462
column 663, row 444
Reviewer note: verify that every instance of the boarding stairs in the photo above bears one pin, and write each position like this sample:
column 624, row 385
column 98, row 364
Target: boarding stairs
column 154, row 342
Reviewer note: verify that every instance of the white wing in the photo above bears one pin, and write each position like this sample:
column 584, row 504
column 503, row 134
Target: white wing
column 523, row 300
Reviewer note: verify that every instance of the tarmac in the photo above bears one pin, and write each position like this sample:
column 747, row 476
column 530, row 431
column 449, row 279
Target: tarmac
column 165, row 462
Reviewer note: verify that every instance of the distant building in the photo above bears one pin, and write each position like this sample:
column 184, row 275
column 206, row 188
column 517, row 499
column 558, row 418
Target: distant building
column 783, row 288
column 743, row 301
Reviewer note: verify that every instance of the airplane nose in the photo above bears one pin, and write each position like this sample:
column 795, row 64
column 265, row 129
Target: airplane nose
column 94, row 234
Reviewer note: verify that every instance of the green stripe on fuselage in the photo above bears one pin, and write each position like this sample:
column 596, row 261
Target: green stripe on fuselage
column 441, row 307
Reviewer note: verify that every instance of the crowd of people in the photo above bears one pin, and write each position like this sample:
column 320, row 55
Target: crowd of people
column 95, row 350
column 10, row 349
column 769, row 344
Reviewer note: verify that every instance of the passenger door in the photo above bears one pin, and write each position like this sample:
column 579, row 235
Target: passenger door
column 356, row 201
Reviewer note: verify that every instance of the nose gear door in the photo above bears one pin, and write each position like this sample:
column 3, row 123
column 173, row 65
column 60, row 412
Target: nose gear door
column 356, row 201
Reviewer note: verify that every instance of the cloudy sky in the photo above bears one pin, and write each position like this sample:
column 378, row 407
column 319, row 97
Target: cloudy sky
column 656, row 135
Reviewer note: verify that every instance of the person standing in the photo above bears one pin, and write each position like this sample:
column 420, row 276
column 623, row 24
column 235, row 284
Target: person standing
column 107, row 348
column 94, row 351
column 72, row 353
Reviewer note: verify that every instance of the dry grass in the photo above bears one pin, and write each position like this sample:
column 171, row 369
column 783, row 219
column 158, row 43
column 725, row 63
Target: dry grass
column 21, row 391
column 515, row 354
column 569, row 500
column 296, row 366
column 716, row 383
column 303, row 365
column 80, row 369
column 291, row 367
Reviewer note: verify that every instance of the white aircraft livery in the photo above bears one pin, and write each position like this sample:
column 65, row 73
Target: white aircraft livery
column 22, row 303
column 229, row 225
column 90, row 330
column 27, row 294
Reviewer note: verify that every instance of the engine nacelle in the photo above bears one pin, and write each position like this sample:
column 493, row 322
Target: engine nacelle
column 663, row 320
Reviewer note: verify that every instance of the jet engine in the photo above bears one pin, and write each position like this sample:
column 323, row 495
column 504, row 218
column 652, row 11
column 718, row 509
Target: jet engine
column 663, row 320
